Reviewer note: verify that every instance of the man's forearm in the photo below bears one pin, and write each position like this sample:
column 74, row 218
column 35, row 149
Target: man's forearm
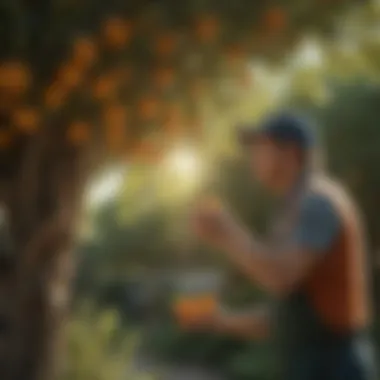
column 277, row 272
column 258, row 261
column 253, row 324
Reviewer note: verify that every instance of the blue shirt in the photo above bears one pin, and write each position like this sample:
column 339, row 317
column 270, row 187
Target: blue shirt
column 317, row 224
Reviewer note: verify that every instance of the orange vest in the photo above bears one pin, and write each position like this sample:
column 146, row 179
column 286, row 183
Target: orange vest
column 337, row 286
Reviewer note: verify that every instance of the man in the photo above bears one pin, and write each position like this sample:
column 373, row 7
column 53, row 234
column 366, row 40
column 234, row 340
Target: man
column 315, row 265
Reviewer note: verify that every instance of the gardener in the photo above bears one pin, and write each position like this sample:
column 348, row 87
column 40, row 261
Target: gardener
column 315, row 265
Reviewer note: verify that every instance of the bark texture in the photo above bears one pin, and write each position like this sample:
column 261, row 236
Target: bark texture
column 41, row 187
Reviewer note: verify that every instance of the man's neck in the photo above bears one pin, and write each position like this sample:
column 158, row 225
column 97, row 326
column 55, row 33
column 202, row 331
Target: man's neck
column 289, row 182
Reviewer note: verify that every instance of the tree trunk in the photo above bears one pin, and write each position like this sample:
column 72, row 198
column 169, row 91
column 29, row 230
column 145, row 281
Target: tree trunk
column 41, row 196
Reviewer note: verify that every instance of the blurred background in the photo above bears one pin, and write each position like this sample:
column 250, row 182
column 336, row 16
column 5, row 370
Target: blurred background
column 114, row 115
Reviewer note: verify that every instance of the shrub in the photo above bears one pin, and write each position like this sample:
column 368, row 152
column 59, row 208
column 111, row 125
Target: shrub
column 99, row 349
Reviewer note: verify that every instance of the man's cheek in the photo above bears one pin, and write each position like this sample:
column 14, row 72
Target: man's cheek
column 257, row 171
column 262, row 174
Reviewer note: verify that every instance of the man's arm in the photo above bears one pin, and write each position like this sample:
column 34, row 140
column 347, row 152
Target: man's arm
column 280, row 272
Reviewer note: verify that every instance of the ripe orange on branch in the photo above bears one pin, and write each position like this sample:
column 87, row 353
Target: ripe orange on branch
column 166, row 44
column 26, row 119
column 104, row 87
column 69, row 76
column 78, row 133
column 117, row 32
column 15, row 77
column 207, row 28
column 147, row 107
column 115, row 114
column 275, row 19
column 164, row 77
column 84, row 51
column 55, row 96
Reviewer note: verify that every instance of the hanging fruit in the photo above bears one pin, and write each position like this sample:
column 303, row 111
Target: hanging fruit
column 207, row 28
column 27, row 119
column 117, row 32
column 78, row 133
column 84, row 52
column 104, row 87
column 70, row 76
column 148, row 108
column 275, row 20
column 15, row 77
column 115, row 114
column 165, row 44
column 55, row 96
column 164, row 77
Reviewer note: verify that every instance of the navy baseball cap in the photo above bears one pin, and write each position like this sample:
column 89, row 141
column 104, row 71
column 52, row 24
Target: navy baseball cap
column 281, row 128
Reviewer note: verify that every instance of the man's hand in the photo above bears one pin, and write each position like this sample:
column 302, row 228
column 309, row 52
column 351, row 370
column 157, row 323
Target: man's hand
column 213, row 223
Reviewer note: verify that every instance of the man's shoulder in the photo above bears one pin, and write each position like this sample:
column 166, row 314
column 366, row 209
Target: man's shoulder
column 319, row 221
column 327, row 192
column 326, row 189
column 320, row 191
column 318, row 203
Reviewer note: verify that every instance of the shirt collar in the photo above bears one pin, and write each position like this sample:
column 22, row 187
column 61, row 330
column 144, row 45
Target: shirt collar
column 297, row 189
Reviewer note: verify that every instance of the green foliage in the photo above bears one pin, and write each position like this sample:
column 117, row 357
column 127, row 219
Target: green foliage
column 254, row 362
column 239, row 360
column 171, row 343
column 98, row 348
column 352, row 137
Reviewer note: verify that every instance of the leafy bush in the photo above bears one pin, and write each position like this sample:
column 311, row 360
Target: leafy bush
column 254, row 362
column 237, row 359
column 98, row 348
column 171, row 344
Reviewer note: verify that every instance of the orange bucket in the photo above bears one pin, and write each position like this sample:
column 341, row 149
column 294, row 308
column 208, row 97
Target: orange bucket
column 197, row 298
column 190, row 308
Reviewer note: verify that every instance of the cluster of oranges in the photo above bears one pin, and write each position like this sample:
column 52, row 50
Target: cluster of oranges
column 102, row 69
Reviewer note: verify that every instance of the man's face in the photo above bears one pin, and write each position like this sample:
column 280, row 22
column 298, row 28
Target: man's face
column 267, row 161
